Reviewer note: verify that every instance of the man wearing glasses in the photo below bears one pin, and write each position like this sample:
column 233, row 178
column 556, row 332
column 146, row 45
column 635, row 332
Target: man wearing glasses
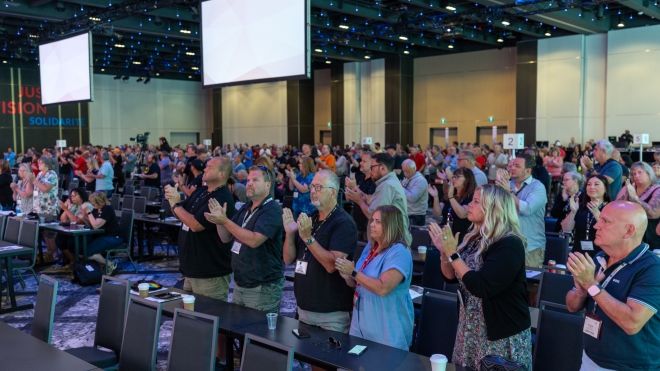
column 389, row 190
column 322, row 297
column 466, row 160
column 256, row 230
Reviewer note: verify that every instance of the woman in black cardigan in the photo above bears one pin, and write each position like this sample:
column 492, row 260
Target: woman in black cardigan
column 490, row 267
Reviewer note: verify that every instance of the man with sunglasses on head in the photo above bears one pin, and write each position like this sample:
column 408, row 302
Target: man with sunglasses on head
column 314, row 242
column 256, row 230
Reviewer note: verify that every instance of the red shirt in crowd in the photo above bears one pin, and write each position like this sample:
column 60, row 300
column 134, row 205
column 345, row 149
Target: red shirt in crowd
column 420, row 161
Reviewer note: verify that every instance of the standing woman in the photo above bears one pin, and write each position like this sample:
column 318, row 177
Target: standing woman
column 299, row 184
column 6, row 194
column 644, row 190
column 490, row 267
column 453, row 210
column 585, row 213
column 24, row 189
column 572, row 183
column 45, row 185
column 382, row 309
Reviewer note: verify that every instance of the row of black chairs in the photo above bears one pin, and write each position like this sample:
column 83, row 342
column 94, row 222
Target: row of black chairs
column 128, row 327
column 24, row 233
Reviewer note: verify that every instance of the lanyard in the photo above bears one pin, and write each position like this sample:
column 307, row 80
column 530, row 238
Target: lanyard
column 608, row 279
column 591, row 219
column 248, row 214
column 372, row 254
column 521, row 188
column 315, row 229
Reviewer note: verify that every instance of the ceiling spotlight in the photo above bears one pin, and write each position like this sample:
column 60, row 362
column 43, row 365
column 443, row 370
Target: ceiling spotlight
column 95, row 19
column 120, row 45
column 185, row 31
column 404, row 38
column 450, row 8
column 139, row 79
column 450, row 46
column 547, row 33
column 126, row 77
column 328, row 62
column 190, row 76
column 343, row 27
column 190, row 53
column 157, row 73
column 406, row 52
column 620, row 24
column 318, row 50
column 102, row 69
column 500, row 40
column 505, row 22
column 4, row 62
column 367, row 57
column 137, row 62
column 194, row 68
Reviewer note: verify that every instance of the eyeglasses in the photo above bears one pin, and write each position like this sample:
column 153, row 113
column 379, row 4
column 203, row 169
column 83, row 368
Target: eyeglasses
column 373, row 166
column 319, row 187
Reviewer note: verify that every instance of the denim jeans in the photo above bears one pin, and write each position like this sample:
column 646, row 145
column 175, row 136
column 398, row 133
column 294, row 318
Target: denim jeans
column 103, row 243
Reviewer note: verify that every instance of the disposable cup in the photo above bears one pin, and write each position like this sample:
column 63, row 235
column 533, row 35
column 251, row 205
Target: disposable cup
column 143, row 288
column 272, row 320
column 189, row 302
column 438, row 362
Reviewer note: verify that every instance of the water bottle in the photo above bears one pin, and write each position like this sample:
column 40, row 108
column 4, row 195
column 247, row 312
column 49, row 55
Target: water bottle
column 18, row 210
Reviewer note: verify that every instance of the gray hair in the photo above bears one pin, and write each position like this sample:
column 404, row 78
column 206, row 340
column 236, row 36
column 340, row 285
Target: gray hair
column 606, row 146
column 469, row 155
column 568, row 166
column 105, row 156
column 647, row 168
column 331, row 179
column 577, row 177
column 409, row 164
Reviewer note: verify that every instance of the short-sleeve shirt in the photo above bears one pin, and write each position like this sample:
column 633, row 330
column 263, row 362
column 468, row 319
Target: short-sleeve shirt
column 457, row 224
column 301, row 201
column 639, row 280
column 389, row 191
column 153, row 169
column 263, row 264
column 318, row 290
column 611, row 168
column 329, row 161
column 47, row 202
column 105, row 184
column 111, row 226
column 203, row 255
column 385, row 319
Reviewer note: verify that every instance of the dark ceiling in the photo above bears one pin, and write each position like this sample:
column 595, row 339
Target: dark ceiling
column 160, row 38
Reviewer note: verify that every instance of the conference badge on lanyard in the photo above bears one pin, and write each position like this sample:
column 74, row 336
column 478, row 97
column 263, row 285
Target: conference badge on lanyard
column 236, row 247
column 301, row 267
column 592, row 325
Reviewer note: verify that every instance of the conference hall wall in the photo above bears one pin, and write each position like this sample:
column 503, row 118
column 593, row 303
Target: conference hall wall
column 170, row 108
column 25, row 123
column 595, row 86
column 465, row 89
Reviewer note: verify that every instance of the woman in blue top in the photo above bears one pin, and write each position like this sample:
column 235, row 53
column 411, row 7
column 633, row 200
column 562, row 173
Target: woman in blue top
column 382, row 309
column 299, row 184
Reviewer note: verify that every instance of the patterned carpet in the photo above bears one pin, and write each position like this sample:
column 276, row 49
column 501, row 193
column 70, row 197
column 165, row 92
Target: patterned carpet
column 75, row 313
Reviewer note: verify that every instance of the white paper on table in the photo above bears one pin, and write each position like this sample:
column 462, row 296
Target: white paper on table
column 413, row 294
column 532, row 274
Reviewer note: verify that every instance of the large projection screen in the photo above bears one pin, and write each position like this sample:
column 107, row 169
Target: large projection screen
column 65, row 67
column 254, row 40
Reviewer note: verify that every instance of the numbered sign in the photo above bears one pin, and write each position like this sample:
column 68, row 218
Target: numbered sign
column 60, row 143
column 514, row 141
column 368, row 140
column 641, row 139
column 207, row 142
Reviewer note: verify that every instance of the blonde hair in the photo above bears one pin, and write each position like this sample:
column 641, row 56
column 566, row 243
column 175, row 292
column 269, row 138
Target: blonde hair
column 29, row 175
column 308, row 166
column 500, row 219
column 394, row 226
column 98, row 198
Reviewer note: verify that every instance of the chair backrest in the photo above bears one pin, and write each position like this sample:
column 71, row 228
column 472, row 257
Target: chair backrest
column 194, row 341
column 3, row 220
column 151, row 193
column 263, row 354
column 138, row 349
column 12, row 230
column 420, row 237
column 126, row 226
column 559, row 341
column 432, row 276
column 44, row 308
column 29, row 234
column 556, row 248
column 129, row 190
column 127, row 202
column 550, row 224
column 111, row 313
column 116, row 201
column 438, row 323
column 140, row 204
column 554, row 287
column 165, row 206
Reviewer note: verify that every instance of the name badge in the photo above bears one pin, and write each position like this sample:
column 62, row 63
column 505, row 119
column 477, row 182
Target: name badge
column 587, row 245
column 295, row 194
column 301, row 267
column 236, row 247
column 592, row 325
column 185, row 227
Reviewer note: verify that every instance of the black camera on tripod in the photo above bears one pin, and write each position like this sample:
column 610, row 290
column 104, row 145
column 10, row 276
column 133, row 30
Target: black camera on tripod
column 141, row 138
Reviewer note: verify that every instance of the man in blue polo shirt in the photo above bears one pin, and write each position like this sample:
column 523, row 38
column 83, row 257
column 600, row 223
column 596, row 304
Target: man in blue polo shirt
column 607, row 166
column 622, row 326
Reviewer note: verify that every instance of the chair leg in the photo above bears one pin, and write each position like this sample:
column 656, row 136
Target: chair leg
column 34, row 274
column 21, row 280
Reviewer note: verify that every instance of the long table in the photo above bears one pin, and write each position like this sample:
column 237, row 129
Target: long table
column 21, row 351
column 235, row 321
column 7, row 257
column 77, row 232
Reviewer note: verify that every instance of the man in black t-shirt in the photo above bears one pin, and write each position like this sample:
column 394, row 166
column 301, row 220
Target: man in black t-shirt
column 204, row 260
column 322, row 296
column 256, row 231
column 152, row 176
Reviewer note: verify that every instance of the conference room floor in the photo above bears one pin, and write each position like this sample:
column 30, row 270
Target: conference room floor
column 75, row 314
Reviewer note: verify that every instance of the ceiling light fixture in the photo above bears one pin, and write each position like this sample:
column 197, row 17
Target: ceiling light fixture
column 194, row 68
column 120, row 46
column 450, row 46
column 190, row 76
column 500, row 40
column 343, row 27
column 620, row 24
column 367, row 57
column 404, row 38
column 183, row 30
column 406, row 52
column 450, row 8
column 328, row 62
column 190, row 53
column 505, row 22
column 318, row 50
column 547, row 33
column 95, row 19
column 137, row 62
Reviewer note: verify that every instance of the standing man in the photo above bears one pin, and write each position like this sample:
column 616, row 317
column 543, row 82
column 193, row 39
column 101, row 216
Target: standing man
column 152, row 175
column 531, row 198
column 607, row 166
column 256, row 230
column 104, row 176
column 389, row 190
column 418, row 157
column 466, row 160
column 327, row 159
column 415, row 187
column 496, row 160
column 129, row 162
column 620, row 291
column 322, row 296
column 204, row 260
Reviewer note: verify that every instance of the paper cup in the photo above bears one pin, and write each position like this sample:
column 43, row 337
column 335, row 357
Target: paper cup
column 143, row 288
column 438, row 362
column 272, row 320
column 189, row 302
column 421, row 249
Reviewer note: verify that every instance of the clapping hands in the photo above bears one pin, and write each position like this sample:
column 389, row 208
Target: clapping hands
column 217, row 214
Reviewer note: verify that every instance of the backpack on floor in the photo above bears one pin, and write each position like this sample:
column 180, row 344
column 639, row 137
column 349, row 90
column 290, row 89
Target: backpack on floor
column 87, row 273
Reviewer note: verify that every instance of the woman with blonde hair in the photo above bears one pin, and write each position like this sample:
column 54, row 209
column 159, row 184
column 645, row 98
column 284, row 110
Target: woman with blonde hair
column 102, row 217
column 382, row 309
column 643, row 188
column 24, row 189
column 490, row 267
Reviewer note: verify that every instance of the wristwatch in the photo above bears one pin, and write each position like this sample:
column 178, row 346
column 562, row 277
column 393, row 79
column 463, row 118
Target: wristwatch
column 454, row 256
column 309, row 241
column 354, row 273
column 594, row 290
